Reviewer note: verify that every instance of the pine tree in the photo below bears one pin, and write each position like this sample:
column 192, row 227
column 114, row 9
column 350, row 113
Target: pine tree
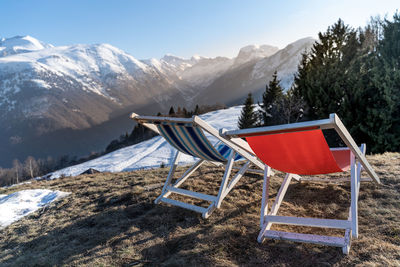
column 388, row 72
column 196, row 110
column 171, row 111
column 247, row 117
column 346, row 73
column 273, row 91
column 272, row 97
column 322, row 79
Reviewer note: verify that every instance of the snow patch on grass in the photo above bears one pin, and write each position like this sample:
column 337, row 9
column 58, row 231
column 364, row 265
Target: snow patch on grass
column 19, row 204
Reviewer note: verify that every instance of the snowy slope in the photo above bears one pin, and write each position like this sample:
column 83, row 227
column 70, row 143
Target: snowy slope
column 151, row 153
column 19, row 204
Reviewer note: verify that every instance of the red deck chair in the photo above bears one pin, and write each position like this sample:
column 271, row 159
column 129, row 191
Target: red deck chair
column 301, row 149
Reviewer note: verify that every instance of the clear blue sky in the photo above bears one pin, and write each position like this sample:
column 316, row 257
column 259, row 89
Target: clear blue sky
column 152, row 28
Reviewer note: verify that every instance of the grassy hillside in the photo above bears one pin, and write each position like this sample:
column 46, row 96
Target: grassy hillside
column 110, row 220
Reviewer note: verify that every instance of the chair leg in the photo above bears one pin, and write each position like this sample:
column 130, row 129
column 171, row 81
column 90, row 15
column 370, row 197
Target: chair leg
column 188, row 172
column 350, row 225
column 264, row 202
column 185, row 176
column 236, row 179
column 347, row 241
column 355, row 186
column 281, row 194
column 265, row 225
column 224, row 183
column 174, row 164
column 209, row 210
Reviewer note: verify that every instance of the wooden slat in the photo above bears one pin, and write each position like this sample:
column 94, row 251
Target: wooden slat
column 354, row 197
column 307, row 238
column 183, row 205
column 189, row 193
column 300, row 126
column 142, row 119
column 349, row 141
column 312, row 222
column 151, row 126
column 332, row 180
column 188, row 172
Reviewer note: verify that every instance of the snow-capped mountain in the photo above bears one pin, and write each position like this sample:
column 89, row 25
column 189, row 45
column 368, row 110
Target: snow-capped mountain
column 75, row 99
column 20, row 44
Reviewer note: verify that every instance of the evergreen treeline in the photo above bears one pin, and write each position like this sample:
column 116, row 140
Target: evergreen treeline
column 276, row 107
column 352, row 72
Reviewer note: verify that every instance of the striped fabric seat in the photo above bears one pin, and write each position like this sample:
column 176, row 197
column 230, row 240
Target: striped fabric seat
column 188, row 136
column 224, row 150
column 190, row 140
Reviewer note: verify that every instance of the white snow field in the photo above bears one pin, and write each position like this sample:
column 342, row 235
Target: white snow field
column 151, row 153
column 19, row 204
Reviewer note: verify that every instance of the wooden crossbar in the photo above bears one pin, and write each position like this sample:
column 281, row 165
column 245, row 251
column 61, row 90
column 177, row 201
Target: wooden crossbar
column 307, row 238
column 189, row 193
column 312, row 222
column 142, row 119
column 183, row 205
column 284, row 128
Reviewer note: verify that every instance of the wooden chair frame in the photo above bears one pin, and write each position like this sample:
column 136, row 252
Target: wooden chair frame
column 268, row 217
column 237, row 145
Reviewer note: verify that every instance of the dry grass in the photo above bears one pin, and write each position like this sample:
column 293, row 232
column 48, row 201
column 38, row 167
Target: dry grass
column 110, row 220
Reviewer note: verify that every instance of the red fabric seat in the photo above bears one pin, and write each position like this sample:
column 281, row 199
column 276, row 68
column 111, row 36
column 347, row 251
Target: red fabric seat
column 342, row 158
column 304, row 153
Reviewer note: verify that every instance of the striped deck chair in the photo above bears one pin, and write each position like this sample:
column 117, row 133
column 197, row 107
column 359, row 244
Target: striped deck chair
column 301, row 149
column 187, row 136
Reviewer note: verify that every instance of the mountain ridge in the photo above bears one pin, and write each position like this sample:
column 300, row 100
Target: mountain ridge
column 46, row 89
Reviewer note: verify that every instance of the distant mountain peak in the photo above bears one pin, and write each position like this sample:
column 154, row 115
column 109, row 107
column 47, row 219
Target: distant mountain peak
column 170, row 57
column 251, row 52
column 20, row 44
